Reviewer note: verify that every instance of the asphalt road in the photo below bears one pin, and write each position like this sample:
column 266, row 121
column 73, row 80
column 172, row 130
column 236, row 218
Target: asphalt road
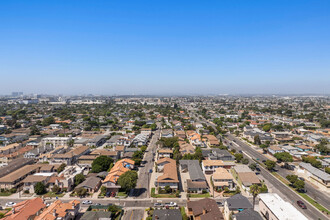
column 311, row 212
column 133, row 214
column 319, row 196
column 142, row 186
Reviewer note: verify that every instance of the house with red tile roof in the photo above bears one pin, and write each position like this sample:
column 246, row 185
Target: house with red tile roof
column 26, row 210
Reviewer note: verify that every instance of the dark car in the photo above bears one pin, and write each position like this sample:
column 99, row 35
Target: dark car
column 219, row 203
column 301, row 204
column 303, row 190
column 258, row 169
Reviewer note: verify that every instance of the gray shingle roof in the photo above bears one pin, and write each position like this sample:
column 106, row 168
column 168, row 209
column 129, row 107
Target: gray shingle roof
column 194, row 169
column 248, row 214
column 91, row 215
column 238, row 202
column 316, row 172
column 167, row 214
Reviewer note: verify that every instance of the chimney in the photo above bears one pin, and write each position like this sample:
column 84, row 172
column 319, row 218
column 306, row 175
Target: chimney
column 13, row 210
column 54, row 213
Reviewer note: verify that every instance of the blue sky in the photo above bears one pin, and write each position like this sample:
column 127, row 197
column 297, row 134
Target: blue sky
column 165, row 47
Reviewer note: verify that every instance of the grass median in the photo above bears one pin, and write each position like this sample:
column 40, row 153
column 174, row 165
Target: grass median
column 305, row 196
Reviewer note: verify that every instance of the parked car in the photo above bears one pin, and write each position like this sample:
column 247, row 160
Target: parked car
column 87, row 202
column 157, row 204
column 301, row 204
column 219, row 203
column 10, row 204
column 97, row 204
column 301, row 178
column 303, row 190
column 171, row 204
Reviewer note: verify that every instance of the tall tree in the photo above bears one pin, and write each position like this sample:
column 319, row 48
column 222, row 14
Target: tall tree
column 101, row 163
column 254, row 190
column 128, row 180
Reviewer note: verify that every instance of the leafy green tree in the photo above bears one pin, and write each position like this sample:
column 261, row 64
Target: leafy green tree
column 238, row 157
column 81, row 192
column 270, row 164
column 40, row 188
column 114, row 209
column 101, row 163
column 257, row 140
column 263, row 188
column 153, row 127
column 61, row 168
column 79, row 178
column 327, row 170
column 34, row 130
column 56, row 189
column 266, row 127
column 292, row 178
column 128, row 180
column 254, row 190
column 47, row 121
column 313, row 161
column 253, row 166
column 299, row 184
column 168, row 189
column 283, row 157
column 245, row 161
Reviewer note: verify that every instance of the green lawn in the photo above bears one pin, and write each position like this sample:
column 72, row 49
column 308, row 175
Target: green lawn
column 5, row 193
column 154, row 195
column 183, row 213
column 305, row 196
column 229, row 194
column 196, row 195
column 314, row 203
column 122, row 194
column 52, row 194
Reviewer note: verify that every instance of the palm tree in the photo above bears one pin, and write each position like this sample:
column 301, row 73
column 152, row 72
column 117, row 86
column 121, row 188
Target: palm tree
column 254, row 190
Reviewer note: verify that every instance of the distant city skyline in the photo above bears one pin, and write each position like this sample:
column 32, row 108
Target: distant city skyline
column 165, row 48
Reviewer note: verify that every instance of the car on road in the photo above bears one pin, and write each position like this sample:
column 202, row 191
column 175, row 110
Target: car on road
column 97, row 204
column 302, row 190
column 301, row 178
column 87, row 202
column 171, row 204
column 264, row 161
column 10, row 204
column 257, row 173
column 157, row 204
column 257, row 169
column 301, row 204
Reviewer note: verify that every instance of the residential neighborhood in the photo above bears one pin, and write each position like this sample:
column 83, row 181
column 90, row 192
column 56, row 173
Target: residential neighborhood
column 167, row 157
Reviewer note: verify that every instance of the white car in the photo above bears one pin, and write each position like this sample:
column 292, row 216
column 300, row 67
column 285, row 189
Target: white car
column 87, row 202
column 10, row 204
column 171, row 204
